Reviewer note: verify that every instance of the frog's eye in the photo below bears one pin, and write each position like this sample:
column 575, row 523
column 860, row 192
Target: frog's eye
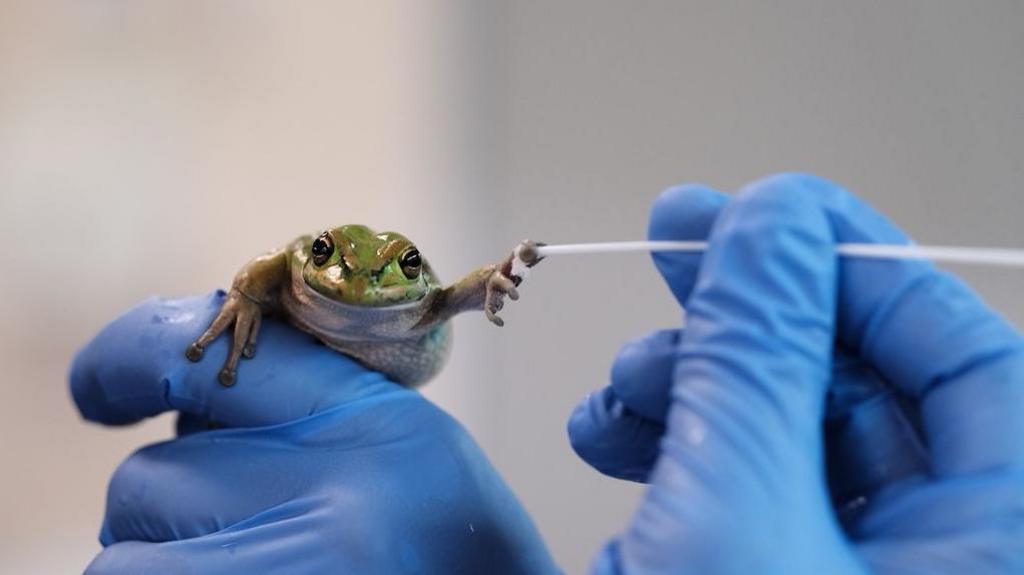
column 322, row 249
column 411, row 263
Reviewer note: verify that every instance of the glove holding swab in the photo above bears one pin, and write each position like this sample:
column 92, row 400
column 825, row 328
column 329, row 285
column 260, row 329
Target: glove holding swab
column 815, row 414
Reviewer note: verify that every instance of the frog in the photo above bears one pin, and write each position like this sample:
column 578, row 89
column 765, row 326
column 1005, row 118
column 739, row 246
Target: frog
column 371, row 296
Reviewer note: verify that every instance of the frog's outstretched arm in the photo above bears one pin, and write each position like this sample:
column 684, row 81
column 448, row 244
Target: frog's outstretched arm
column 253, row 292
column 485, row 288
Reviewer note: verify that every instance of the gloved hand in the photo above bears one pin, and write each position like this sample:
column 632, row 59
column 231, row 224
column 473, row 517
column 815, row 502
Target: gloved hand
column 319, row 466
column 818, row 414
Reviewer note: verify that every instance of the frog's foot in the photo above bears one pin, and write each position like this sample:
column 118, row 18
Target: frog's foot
column 246, row 315
column 498, row 286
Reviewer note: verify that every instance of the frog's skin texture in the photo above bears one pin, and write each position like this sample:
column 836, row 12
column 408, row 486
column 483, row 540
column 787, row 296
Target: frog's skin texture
column 369, row 295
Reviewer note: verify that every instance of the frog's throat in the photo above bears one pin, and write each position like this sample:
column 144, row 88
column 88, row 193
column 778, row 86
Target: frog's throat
column 333, row 321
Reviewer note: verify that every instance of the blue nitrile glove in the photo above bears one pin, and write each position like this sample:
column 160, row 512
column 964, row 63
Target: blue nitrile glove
column 817, row 415
column 319, row 466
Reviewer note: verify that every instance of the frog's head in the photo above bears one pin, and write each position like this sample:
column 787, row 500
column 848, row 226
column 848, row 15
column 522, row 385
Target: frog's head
column 355, row 265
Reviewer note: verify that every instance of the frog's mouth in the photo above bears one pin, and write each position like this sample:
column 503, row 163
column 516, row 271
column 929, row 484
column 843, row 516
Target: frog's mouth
column 392, row 295
column 396, row 296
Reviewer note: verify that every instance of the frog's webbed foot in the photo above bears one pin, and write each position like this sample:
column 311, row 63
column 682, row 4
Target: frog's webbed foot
column 245, row 313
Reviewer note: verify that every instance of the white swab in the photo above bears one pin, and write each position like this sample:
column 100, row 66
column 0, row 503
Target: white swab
column 980, row 256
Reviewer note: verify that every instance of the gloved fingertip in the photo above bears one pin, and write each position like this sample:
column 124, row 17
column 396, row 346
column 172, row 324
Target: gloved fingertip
column 685, row 212
column 785, row 199
column 83, row 386
column 682, row 213
column 122, row 375
column 142, row 558
column 107, row 537
column 783, row 181
column 642, row 373
column 613, row 439
column 88, row 393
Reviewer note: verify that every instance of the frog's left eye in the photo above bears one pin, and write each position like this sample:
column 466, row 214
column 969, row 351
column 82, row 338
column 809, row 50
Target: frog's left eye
column 411, row 263
column 322, row 249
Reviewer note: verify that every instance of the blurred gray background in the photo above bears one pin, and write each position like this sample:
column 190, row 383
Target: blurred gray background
column 153, row 147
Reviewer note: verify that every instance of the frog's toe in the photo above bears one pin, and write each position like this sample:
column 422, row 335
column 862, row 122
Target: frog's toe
column 494, row 318
column 494, row 305
column 227, row 377
column 502, row 284
column 194, row 352
column 249, row 351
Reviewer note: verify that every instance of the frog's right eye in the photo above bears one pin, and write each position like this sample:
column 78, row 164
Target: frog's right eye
column 322, row 249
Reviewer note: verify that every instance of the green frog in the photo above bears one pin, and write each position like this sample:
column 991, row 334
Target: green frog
column 369, row 295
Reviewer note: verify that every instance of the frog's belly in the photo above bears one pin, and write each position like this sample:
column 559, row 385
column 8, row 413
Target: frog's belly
column 383, row 339
column 410, row 362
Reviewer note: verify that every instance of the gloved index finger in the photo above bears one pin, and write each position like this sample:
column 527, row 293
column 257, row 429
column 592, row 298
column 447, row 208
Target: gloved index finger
column 136, row 368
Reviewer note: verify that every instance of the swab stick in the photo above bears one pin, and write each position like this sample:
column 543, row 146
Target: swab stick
column 952, row 254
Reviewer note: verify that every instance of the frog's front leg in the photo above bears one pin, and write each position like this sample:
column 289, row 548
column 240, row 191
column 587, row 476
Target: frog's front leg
column 485, row 289
column 252, row 293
